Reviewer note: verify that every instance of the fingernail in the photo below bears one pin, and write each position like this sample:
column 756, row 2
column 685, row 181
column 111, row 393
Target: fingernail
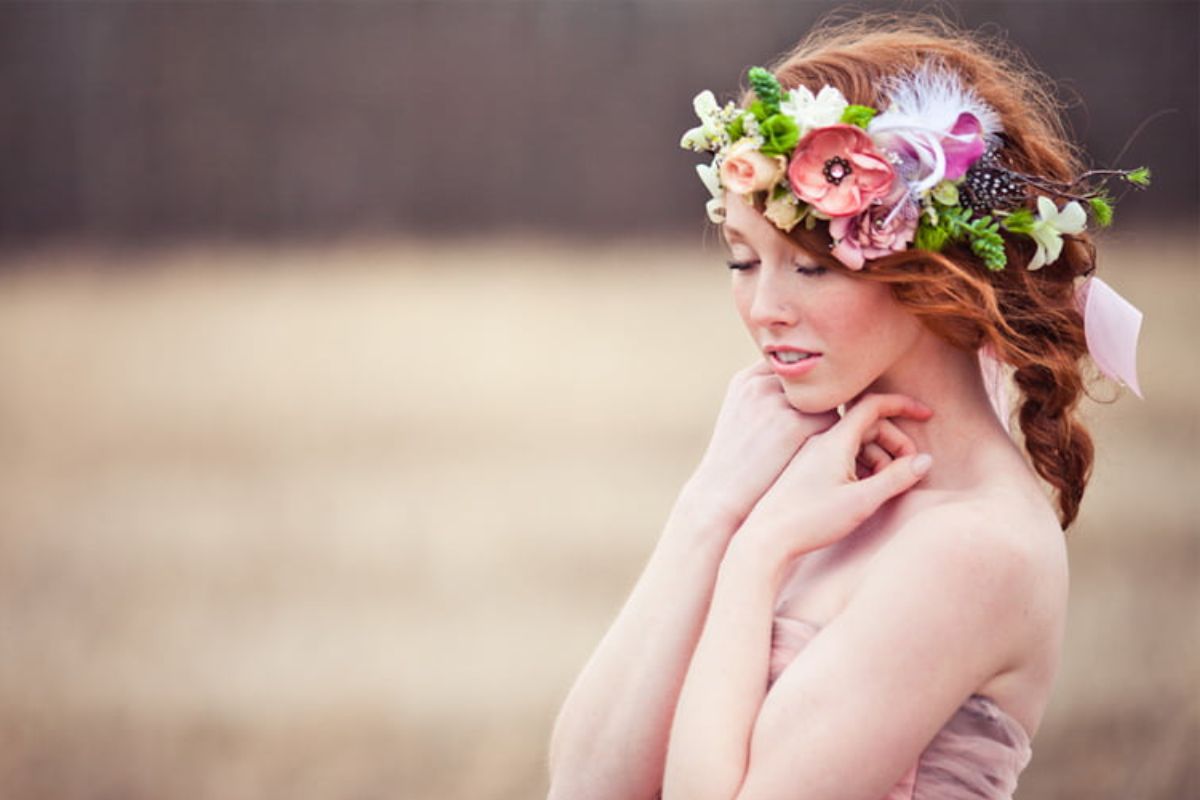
column 921, row 464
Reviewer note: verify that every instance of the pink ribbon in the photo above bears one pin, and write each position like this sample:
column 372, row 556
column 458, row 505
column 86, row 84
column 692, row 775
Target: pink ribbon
column 1111, row 324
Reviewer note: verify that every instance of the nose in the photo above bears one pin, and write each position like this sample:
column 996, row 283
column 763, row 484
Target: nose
column 774, row 303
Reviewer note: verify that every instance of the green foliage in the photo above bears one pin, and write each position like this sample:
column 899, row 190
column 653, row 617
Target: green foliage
column 737, row 128
column 1101, row 210
column 986, row 242
column 759, row 109
column 1139, row 177
column 769, row 92
column 930, row 236
column 1019, row 221
column 954, row 224
column 858, row 115
column 946, row 193
column 780, row 134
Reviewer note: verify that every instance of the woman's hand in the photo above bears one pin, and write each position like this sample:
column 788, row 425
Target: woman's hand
column 757, row 433
column 838, row 479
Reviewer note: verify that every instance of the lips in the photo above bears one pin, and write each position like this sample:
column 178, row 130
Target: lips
column 791, row 361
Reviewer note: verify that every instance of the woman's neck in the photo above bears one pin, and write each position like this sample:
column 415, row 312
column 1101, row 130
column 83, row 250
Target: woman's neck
column 965, row 436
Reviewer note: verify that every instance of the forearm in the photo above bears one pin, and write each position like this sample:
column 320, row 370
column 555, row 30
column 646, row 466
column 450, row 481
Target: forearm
column 610, row 737
column 726, row 682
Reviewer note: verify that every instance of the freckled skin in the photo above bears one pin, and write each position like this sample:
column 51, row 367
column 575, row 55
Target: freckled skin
column 856, row 325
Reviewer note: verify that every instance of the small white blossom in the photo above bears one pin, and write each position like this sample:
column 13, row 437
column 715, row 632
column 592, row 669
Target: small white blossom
column 810, row 112
column 710, row 176
column 710, row 134
column 1049, row 227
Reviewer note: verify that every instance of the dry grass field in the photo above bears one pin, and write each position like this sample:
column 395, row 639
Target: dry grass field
column 345, row 521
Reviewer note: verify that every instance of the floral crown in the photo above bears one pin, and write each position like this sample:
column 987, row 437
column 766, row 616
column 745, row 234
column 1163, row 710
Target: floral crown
column 924, row 172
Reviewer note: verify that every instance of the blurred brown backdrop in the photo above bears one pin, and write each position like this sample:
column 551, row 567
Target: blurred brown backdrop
column 129, row 120
column 343, row 400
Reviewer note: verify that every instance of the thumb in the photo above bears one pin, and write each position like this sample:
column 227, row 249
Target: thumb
column 896, row 477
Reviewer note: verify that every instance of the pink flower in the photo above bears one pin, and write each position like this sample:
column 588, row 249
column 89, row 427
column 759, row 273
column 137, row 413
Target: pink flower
column 883, row 228
column 929, row 156
column 746, row 170
column 963, row 145
column 837, row 170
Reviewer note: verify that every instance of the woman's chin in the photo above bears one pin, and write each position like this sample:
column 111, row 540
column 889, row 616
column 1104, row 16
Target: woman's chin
column 807, row 401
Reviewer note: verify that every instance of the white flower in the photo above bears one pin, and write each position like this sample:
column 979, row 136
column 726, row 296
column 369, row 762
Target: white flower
column 814, row 112
column 710, row 175
column 1051, row 224
column 710, row 133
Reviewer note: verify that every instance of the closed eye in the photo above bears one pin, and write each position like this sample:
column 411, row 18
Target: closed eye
column 812, row 271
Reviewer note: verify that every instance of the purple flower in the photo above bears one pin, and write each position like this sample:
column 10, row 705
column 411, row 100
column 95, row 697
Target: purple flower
column 963, row 145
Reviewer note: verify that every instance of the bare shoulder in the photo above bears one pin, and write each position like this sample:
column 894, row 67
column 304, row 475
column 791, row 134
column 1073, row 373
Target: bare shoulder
column 1006, row 542
column 994, row 563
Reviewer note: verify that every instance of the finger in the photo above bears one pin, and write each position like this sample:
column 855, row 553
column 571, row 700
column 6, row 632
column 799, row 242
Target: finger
column 874, row 457
column 861, row 470
column 759, row 367
column 898, row 476
column 858, row 420
column 895, row 441
column 747, row 373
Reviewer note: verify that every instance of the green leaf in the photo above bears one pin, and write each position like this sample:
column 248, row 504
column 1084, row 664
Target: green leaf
column 987, row 244
column 1019, row 221
column 945, row 193
column 1139, row 176
column 780, row 134
column 769, row 92
column 736, row 129
column 930, row 236
column 759, row 109
column 1102, row 210
column 955, row 224
column 858, row 115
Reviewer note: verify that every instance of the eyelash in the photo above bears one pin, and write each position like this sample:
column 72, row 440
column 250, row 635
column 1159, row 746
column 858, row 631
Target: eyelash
column 743, row 265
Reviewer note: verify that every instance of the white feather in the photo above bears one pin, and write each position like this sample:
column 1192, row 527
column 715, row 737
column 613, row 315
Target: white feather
column 932, row 98
column 923, row 106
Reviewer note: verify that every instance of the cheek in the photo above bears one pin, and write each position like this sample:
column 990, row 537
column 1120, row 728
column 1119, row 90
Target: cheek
column 872, row 325
column 854, row 310
column 743, row 295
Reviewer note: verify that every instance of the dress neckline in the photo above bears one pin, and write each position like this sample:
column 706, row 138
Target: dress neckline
column 990, row 706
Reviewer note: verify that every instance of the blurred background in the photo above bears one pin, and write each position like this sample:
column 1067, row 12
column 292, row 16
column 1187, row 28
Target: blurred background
column 342, row 393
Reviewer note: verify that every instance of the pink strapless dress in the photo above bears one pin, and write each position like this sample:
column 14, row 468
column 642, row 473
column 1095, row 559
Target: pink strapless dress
column 977, row 755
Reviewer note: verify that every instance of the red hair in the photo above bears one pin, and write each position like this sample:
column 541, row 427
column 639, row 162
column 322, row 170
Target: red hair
column 1028, row 318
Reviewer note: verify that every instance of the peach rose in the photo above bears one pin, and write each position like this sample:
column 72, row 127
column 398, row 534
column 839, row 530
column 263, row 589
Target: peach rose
column 747, row 170
column 837, row 170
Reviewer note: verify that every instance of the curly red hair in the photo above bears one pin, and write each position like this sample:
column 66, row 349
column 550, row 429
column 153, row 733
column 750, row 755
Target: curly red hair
column 1028, row 318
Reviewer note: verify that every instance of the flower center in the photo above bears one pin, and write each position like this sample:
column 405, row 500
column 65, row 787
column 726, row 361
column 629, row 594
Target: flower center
column 836, row 169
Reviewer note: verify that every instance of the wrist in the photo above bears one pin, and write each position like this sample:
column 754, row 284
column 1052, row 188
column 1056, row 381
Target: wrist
column 703, row 500
column 758, row 556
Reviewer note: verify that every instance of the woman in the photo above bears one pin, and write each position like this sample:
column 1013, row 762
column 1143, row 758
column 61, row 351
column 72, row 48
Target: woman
column 861, row 591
